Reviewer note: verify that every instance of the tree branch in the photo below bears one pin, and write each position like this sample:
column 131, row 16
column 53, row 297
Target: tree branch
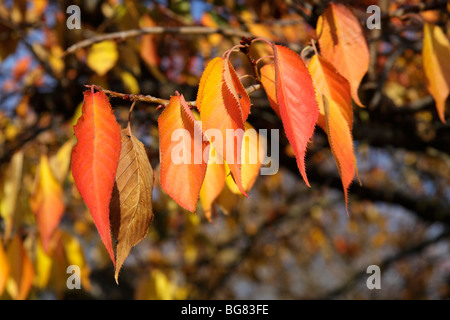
column 151, row 99
column 183, row 30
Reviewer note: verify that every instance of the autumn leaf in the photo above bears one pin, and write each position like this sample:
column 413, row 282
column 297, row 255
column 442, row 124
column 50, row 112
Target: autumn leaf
column 182, row 150
column 268, row 81
column 102, row 57
column 21, row 67
column 43, row 262
column 342, row 43
column 60, row 162
column 10, row 192
column 227, row 200
column 21, row 273
column 4, row 268
column 157, row 286
column 219, row 102
column 253, row 153
column 131, row 202
column 130, row 82
column 207, row 20
column 341, row 143
column 73, row 251
column 148, row 50
column 47, row 202
column 333, row 85
column 213, row 183
column 95, row 158
column 436, row 65
column 296, row 100
column 235, row 87
column 336, row 116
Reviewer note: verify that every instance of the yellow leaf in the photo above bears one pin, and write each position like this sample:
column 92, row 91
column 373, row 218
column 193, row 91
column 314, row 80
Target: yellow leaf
column 130, row 82
column 159, row 287
column 102, row 57
column 75, row 256
column 252, row 154
column 43, row 266
column 213, row 183
column 55, row 59
column 60, row 162
column 47, row 202
column 436, row 65
column 10, row 192
column 77, row 114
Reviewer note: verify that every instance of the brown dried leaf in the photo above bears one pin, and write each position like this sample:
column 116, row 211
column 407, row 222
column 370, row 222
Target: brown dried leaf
column 131, row 203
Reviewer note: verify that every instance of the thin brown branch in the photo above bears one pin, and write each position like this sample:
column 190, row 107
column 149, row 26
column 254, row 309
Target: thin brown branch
column 132, row 97
column 151, row 99
column 183, row 30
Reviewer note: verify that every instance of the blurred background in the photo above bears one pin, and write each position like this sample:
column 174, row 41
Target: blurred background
column 286, row 241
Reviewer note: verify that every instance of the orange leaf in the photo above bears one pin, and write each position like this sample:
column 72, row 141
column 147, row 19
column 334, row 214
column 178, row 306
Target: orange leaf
column 253, row 152
column 297, row 102
column 213, row 183
column 95, row 158
column 333, row 85
column 4, row 268
column 219, row 103
column 148, row 51
column 21, row 67
column 341, row 143
column 183, row 168
column 268, row 81
column 21, row 270
column 336, row 116
column 436, row 65
column 342, row 43
column 236, row 89
column 47, row 202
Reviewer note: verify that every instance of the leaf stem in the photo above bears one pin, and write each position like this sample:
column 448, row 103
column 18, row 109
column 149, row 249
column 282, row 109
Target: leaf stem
column 265, row 57
column 129, row 117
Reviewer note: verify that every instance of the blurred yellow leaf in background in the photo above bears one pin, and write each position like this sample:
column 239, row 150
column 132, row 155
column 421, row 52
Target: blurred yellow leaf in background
column 11, row 187
column 102, row 57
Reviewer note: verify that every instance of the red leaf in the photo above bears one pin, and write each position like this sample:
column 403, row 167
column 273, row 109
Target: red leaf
column 182, row 180
column 297, row 102
column 95, row 158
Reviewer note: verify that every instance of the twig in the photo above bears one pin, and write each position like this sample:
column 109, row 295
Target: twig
column 194, row 30
column 151, row 99
column 132, row 97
